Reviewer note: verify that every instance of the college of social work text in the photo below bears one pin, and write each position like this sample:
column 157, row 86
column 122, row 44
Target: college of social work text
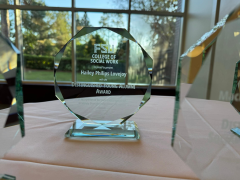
column 104, row 58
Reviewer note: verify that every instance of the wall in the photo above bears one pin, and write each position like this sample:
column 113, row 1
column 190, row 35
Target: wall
column 199, row 20
column 201, row 17
column 227, row 6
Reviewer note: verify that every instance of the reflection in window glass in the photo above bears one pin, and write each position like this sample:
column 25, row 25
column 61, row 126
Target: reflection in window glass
column 137, row 71
column 84, row 45
column 102, row 4
column 115, row 45
column 7, row 26
column 59, row 3
column 101, row 20
column 159, row 36
column 44, row 34
column 10, row 2
column 157, row 5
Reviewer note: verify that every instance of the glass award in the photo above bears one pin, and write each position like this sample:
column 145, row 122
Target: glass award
column 112, row 82
column 11, row 98
column 7, row 177
column 207, row 103
column 235, row 99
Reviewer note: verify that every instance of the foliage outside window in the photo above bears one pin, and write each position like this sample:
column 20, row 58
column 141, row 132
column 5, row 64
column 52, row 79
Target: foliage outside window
column 44, row 32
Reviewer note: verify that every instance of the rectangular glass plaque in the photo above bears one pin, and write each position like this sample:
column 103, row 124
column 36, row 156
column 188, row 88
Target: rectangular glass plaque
column 11, row 98
column 206, row 118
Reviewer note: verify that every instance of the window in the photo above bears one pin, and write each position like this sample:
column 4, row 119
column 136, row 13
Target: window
column 44, row 33
column 39, row 28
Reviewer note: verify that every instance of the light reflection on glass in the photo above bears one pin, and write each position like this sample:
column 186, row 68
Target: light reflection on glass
column 157, row 36
column 44, row 33
column 103, row 4
column 59, row 3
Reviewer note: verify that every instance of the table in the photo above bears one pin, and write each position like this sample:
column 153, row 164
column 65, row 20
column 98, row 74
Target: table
column 44, row 153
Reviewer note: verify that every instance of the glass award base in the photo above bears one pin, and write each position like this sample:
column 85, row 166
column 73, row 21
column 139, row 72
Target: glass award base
column 236, row 131
column 125, row 131
column 6, row 177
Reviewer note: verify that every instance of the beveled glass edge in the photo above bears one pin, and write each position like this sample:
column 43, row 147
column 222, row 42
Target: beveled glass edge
column 7, row 177
column 236, row 131
column 86, row 30
column 113, row 136
column 18, row 87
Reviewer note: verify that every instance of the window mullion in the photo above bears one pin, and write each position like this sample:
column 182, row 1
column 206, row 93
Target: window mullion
column 73, row 43
column 128, row 47
column 18, row 33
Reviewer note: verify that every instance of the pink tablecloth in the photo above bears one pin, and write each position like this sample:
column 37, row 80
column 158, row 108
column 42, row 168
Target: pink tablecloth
column 46, row 154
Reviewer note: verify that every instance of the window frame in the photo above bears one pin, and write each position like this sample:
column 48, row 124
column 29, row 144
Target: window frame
column 17, row 15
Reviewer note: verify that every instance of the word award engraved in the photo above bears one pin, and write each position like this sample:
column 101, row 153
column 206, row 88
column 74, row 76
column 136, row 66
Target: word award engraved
column 11, row 99
column 112, row 81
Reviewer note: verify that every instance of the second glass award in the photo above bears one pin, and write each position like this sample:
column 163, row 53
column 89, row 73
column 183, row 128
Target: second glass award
column 112, row 82
column 12, row 128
